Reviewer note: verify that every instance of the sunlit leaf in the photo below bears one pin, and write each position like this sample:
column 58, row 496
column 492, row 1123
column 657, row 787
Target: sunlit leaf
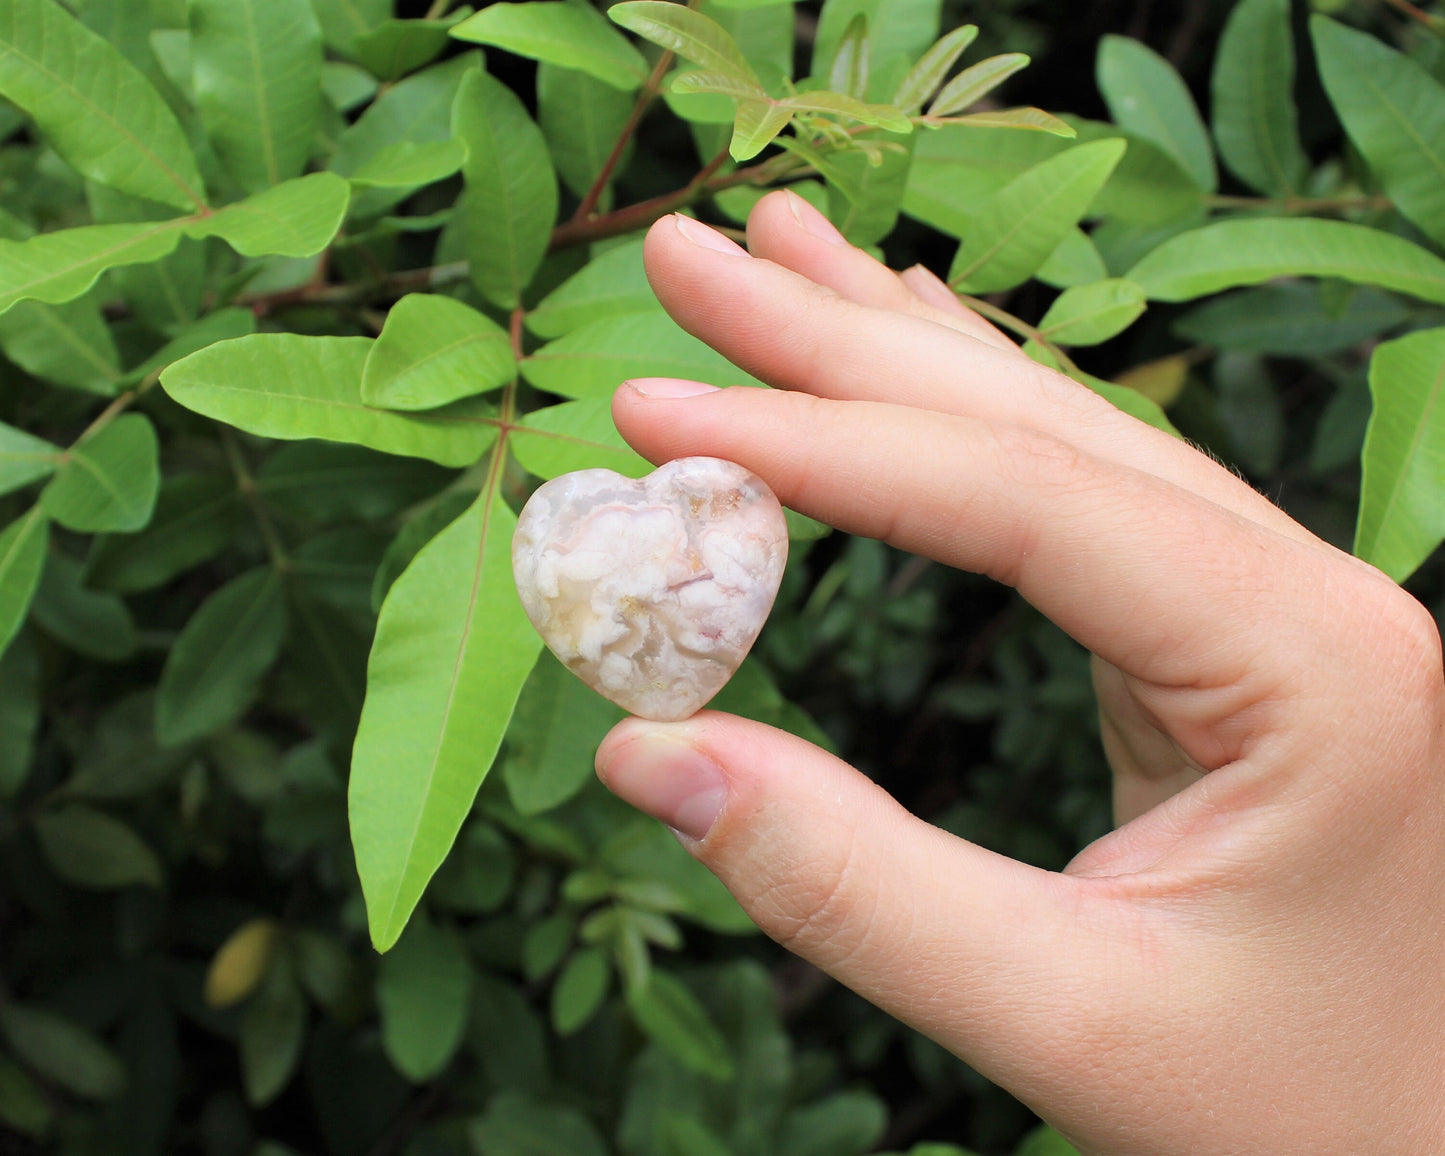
column 572, row 36
column 613, row 284
column 434, row 350
column 756, row 124
column 975, row 82
column 576, row 435
column 1089, row 314
column 927, row 75
column 54, row 267
column 693, row 36
column 295, row 219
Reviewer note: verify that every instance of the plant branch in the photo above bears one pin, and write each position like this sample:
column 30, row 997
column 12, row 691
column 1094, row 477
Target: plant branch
column 1434, row 23
column 1301, row 204
column 246, row 483
column 1022, row 328
column 650, row 89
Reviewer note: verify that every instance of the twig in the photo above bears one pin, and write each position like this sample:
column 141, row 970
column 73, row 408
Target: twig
column 639, row 109
column 246, row 483
column 1022, row 328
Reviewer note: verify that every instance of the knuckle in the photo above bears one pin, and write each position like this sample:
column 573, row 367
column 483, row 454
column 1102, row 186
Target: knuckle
column 818, row 910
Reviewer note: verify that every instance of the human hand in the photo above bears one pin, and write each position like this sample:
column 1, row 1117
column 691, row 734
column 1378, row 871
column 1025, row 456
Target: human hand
column 1254, row 962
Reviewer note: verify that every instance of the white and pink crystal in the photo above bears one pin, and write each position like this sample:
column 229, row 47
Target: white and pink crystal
column 652, row 591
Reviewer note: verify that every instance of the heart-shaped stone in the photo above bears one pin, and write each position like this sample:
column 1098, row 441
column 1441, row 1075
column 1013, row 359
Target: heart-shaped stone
column 652, row 591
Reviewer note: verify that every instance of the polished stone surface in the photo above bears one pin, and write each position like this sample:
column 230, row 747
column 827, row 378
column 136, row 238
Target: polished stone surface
column 652, row 591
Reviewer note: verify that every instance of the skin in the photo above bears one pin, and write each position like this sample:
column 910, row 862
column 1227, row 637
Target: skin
column 1254, row 961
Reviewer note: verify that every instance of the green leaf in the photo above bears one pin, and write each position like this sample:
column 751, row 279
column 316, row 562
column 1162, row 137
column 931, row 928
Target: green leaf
column 1147, row 97
column 295, row 219
column 22, row 557
column 90, row 622
column 327, row 482
column 91, row 849
column 1402, row 519
column 974, row 83
column 511, row 196
column 226, row 648
column 757, row 123
column 418, row 530
column 55, row 267
column 196, row 517
column 519, row 1125
column 1290, row 320
column 23, row 1106
column 554, row 733
column 1028, row 119
column 576, row 435
column 166, row 294
column 19, row 713
column 591, row 361
column 835, row 103
column 899, row 31
column 273, row 1029
column 256, row 69
column 698, row 81
column 569, row 35
column 434, row 350
column 395, row 47
column 342, row 21
column 1090, row 314
column 24, row 458
column 693, row 36
column 221, row 325
column 1247, row 252
column 671, row 1015
column 924, row 77
column 849, row 71
column 284, row 385
column 580, row 989
column 107, row 483
column 844, row 1124
column 1044, row 1141
column 100, row 113
column 423, row 987
column 613, row 284
column 1017, row 229
column 1256, row 123
column 68, row 344
column 1132, row 402
column 407, row 165
column 582, row 118
column 453, row 648
column 1076, row 261
column 1394, row 112
column 61, row 1050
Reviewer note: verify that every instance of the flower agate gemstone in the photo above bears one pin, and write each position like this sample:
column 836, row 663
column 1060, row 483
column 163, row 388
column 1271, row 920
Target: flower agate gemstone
column 652, row 591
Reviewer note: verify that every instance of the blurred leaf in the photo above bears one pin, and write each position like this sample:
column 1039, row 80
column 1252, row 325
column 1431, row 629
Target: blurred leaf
column 670, row 1014
column 576, row 435
column 1256, row 123
column 1016, row 230
column 582, row 118
column 66, row 344
column 408, row 164
column 23, row 1105
column 1249, row 408
column 422, row 990
column 256, row 67
column 289, row 386
column 416, row 533
column 899, row 31
column 434, row 350
column 1090, row 314
column 89, row 848
column 196, row 516
column 273, row 1029
column 1029, row 119
column 90, row 622
column 1290, row 320
column 1247, row 252
column 845, row 1124
column 342, row 21
column 120, row 758
column 441, row 685
column 574, row 36
column 1402, row 518
column 23, row 545
column 218, row 326
column 507, row 1036
column 395, row 47
column 241, row 962
column 98, row 111
column 107, row 482
column 518, row 1125
column 1044, row 1141
column 848, row 72
column 226, row 648
column 589, row 361
column 61, row 1050
column 974, row 83
column 693, row 36
column 580, row 989
column 331, row 482
column 19, row 714
column 1143, row 392
column 554, row 733
column 613, row 284
column 511, row 196
column 1148, row 97
column 478, row 874
column 24, row 458
column 1075, row 262
column 927, row 75
column 328, row 973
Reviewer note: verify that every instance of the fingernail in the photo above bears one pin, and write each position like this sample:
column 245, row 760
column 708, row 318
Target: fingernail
column 669, row 387
column 669, row 780
column 929, row 287
column 700, row 234
column 813, row 221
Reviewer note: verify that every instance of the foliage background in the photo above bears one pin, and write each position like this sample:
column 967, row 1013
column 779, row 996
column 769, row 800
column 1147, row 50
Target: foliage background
column 184, row 960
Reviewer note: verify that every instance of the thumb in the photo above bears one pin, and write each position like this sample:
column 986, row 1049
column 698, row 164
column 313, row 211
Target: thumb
column 984, row 954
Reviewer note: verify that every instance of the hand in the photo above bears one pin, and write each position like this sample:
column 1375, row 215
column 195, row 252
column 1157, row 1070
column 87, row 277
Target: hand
column 1254, row 962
